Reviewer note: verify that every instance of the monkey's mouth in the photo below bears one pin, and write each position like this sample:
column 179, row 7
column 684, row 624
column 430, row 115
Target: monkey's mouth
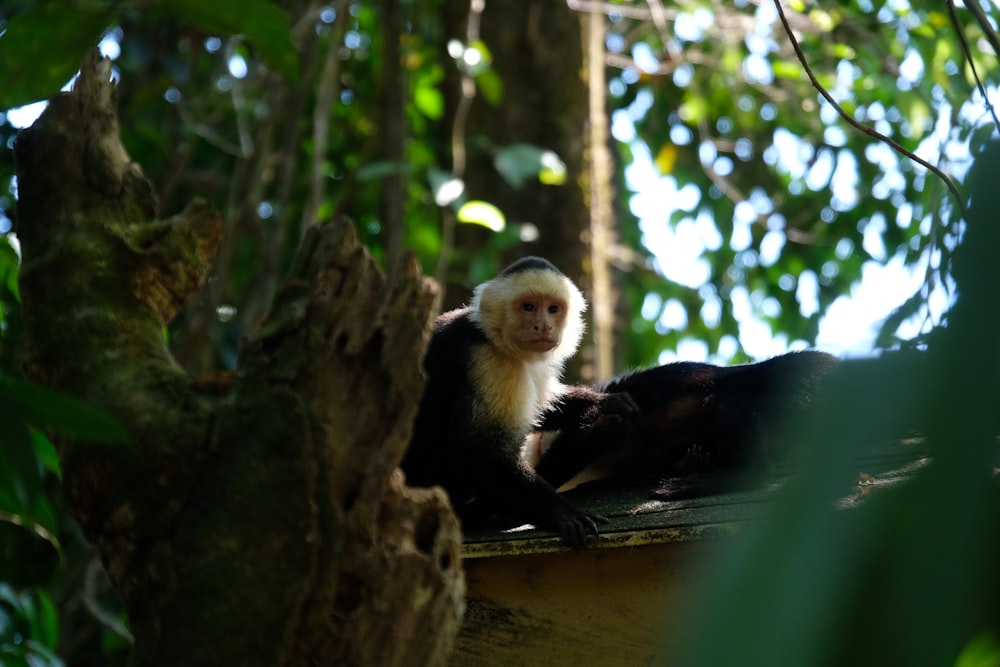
column 540, row 344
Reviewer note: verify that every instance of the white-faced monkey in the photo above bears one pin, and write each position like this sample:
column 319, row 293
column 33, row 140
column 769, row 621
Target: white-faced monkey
column 493, row 376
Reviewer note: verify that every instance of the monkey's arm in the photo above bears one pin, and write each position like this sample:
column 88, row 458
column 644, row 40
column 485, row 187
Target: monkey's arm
column 590, row 422
column 585, row 406
column 488, row 461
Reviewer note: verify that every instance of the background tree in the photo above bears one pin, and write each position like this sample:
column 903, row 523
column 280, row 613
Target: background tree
column 285, row 118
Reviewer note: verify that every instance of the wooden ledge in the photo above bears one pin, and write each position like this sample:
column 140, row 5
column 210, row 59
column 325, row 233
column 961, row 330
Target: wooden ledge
column 637, row 520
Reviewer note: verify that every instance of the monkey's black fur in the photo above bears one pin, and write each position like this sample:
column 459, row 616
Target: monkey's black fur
column 699, row 426
column 467, row 438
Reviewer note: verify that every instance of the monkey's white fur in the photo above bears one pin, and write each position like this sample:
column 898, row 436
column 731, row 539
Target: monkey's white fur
column 518, row 386
column 491, row 307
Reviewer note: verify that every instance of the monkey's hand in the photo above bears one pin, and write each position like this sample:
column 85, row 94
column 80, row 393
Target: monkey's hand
column 618, row 403
column 612, row 411
column 574, row 526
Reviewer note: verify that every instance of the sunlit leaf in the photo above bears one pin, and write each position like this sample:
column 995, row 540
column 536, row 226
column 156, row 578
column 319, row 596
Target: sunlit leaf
column 786, row 70
column 43, row 47
column 938, row 20
column 822, row 20
column 843, row 51
column 666, row 157
column 427, row 95
column 482, row 213
column 430, row 101
column 553, row 169
column 694, row 109
column 260, row 21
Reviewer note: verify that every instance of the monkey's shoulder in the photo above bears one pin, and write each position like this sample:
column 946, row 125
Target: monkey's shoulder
column 453, row 338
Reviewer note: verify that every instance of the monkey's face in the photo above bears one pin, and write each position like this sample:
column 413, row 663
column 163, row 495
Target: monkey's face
column 536, row 323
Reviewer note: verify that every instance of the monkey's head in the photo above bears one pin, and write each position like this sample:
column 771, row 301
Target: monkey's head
column 531, row 310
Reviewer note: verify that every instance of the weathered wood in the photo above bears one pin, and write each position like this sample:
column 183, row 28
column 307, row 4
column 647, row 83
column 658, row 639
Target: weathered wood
column 256, row 519
column 601, row 607
column 627, row 599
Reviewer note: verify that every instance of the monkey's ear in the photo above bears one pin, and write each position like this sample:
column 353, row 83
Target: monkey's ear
column 487, row 307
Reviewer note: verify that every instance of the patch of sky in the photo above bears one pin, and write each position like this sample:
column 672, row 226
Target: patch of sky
column 683, row 75
column 644, row 58
column 818, row 175
column 673, row 317
column 757, row 69
column 844, row 182
column 615, row 42
column 692, row 26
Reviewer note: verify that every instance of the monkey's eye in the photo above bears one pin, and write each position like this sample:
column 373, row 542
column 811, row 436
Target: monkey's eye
column 554, row 308
column 528, row 307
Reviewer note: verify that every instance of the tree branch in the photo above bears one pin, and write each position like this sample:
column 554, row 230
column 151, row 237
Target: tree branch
column 968, row 57
column 871, row 132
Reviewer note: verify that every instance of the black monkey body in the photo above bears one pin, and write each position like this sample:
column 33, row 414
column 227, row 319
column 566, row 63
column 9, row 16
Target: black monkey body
column 696, row 421
column 493, row 376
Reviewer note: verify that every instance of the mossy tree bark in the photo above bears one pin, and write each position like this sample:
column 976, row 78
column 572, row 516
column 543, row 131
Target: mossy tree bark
column 255, row 519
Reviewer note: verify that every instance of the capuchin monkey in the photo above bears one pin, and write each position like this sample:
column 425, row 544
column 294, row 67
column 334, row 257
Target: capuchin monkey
column 493, row 377
column 700, row 428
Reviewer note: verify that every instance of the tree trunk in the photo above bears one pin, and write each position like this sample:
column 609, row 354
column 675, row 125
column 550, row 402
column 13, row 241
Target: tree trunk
column 550, row 100
column 254, row 519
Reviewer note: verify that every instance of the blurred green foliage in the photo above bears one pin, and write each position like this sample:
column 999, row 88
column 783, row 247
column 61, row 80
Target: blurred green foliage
column 909, row 575
column 29, row 629
column 720, row 102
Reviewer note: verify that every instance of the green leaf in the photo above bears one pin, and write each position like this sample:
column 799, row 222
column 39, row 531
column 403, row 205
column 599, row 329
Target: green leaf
column 553, row 169
column 44, row 621
column 427, row 93
column 22, row 499
column 20, row 482
column 382, row 169
column 46, row 453
column 482, row 213
column 8, row 268
column 476, row 58
column 429, row 101
column 517, row 163
column 981, row 137
column 784, row 69
column 491, row 86
column 42, row 49
column 983, row 650
column 44, row 408
column 260, row 21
